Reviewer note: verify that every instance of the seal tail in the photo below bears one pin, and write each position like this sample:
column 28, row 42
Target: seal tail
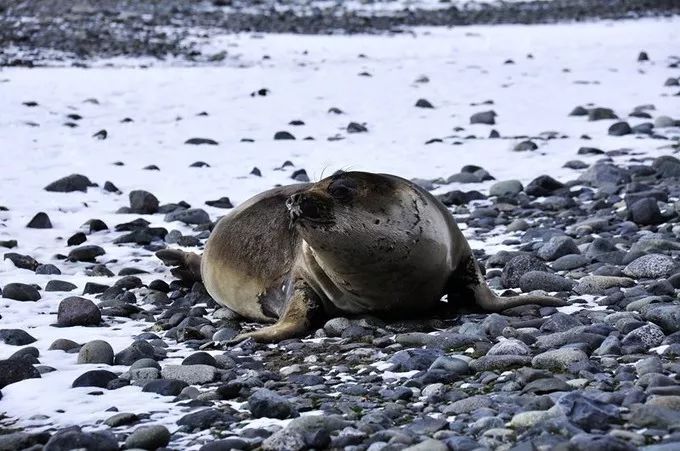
column 187, row 265
column 488, row 300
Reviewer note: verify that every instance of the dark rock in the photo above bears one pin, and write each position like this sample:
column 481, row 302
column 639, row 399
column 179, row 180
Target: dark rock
column 266, row 403
column 22, row 261
column 20, row 292
column 70, row 183
column 620, row 129
column 423, row 103
column 189, row 216
column 143, row 202
column 645, row 212
column 201, row 141
column 88, row 253
column 76, row 239
column 543, row 185
column 75, row 311
column 40, row 221
column 588, row 413
column 165, row 387
column 60, row 285
column 205, row 419
column 16, row 337
column 148, row 437
column 73, row 438
column 524, row 146
column 355, row 127
column 597, row 114
column 283, row 135
column 222, row 202
column 517, row 267
column 15, row 370
column 484, row 117
column 94, row 378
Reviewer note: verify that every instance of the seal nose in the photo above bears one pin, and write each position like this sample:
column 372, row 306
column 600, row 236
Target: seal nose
column 299, row 205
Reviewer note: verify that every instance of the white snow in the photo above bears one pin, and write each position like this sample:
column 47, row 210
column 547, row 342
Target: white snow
column 306, row 75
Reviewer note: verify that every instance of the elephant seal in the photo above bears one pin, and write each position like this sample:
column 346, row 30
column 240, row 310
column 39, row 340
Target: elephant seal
column 352, row 243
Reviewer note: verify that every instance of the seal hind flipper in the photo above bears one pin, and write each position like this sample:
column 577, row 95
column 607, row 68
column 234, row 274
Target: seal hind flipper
column 187, row 264
column 300, row 313
column 467, row 285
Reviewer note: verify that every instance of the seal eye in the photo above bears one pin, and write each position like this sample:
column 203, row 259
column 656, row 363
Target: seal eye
column 341, row 190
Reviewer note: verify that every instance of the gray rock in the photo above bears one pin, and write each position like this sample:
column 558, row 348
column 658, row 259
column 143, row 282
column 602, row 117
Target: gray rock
column 311, row 431
column 16, row 337
column 266, row 403
column 148, row 437
column 96, row 351
column 76, row 311
column 588, row 413
column 648, row 336
column 556, row 247
column 121, row 419
column 499, row 362
column 599, row 284
column 605, row 173
column 195, row 216
column 484, row 117
column 599, row 113
column 70, row 183
column 538, row 280
column 506, row 188
column 663, row 122
column 517, row 267
column 525, row 146
column 558, row 359
column 665, row 316
column 468, row 404
column 509, row 346
column 15, row 370
column 143, row 202
column 651, row 266
column 620, row 129
column 569, row 262
column 336, row 326
column 191, row 374
column 20, row 292
column 87, row 253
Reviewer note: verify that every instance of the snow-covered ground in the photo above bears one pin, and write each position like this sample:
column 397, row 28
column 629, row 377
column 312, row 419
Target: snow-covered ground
column 372, row 79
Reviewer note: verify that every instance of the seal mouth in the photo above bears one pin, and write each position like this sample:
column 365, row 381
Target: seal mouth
column 303, row 208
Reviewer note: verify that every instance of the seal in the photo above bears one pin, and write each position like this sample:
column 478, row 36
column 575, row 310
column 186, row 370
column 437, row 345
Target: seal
column 353, row 243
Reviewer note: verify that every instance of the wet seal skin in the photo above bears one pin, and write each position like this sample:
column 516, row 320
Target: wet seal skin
column 353, row 243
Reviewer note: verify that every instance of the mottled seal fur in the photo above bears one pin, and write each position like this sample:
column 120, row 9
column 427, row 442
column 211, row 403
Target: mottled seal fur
column 353, row 243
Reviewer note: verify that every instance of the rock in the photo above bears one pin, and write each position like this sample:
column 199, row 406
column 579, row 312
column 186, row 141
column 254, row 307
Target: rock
column 588, row 413
column 191, row 374
column 525, row 146
column 121, row 419
column 73, row 438
column 59, row 285
column 599, row 284
column 506, row 188
column 148, row 437
column 70, row 183
column 23, row 441
column 604, row 173
column 543, row 185
column 283, row 135
column 189, row 216
column 569, row 262
column 48, row 269
column 15, row 370
column 222, row 202
column 665, row 316
column 558, row 359
column 201, row 141
column 468, row 404
column 266, row 403
column 484, row 117
column 650, row 266
column 16, row 337
column 205, row 419
column 598, row 114
column 20, row 292
column 22, row 261
column 94, row 378
column 428, row 445
column 40, row 221
column 647, row 336
column 556, row 247
column 165, row 387
column 423, row 103
column 645, row 212
column 96, row 351
column 509, row 346
column 620, row 129
column 664, row 121
column 76, row 311
column 88, row 253
column 667, row 166
column 517, row 267
column 143, row 202
column 539, row 280
column 138, row 350
column 578, row 111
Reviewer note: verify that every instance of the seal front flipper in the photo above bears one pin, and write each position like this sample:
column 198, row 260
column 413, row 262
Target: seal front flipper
column 187, row 264
column 299, row 315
